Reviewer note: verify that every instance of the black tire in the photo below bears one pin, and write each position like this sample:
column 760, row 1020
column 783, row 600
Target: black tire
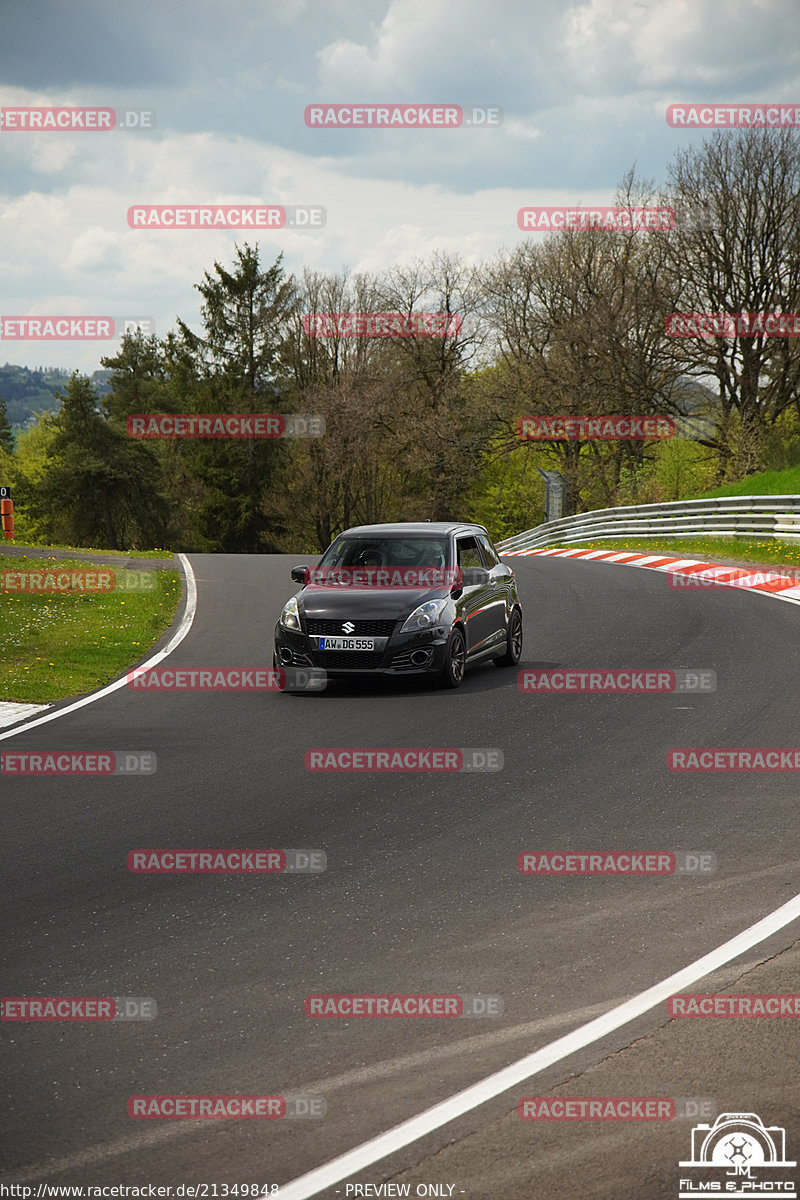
column 455, row 661
column 513, row 641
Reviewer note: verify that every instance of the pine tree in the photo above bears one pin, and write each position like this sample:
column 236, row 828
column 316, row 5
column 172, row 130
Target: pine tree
column 239, row 370
column 6, row 432
column 99, row 487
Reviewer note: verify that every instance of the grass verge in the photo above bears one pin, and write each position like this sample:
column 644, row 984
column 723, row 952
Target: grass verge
column 94, row 550
column 54, row 646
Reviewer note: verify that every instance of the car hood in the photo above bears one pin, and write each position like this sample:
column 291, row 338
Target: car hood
column 364, row 603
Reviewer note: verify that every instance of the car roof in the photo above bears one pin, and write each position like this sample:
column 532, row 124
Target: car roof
column 417, row 527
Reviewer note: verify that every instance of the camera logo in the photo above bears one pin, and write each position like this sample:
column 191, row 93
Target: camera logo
column 726, row 1154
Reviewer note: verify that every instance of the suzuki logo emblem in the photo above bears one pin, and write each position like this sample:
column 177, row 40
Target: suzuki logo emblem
column 348, row 627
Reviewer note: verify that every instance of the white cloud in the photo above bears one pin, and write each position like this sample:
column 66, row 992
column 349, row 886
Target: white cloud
column 584, row 90
column 617, row 44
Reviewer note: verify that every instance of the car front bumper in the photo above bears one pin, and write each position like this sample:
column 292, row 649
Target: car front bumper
column 417, row 652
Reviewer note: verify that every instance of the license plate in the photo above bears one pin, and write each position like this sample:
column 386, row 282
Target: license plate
column 346, row 643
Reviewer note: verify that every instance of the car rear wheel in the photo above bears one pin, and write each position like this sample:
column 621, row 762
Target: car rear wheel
column 455, row 661
column 513, row 641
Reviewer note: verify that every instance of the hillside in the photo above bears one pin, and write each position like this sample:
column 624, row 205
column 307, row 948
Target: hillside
column 27, row 391
column 765, row 483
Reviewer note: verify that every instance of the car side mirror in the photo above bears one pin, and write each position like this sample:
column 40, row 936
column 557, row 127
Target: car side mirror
column 299, row 574
column 476, row 576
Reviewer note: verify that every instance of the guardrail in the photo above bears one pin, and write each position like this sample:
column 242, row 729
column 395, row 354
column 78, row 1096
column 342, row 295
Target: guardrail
column 730, row 516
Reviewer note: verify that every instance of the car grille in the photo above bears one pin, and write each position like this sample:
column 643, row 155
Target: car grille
column 347, row 660
column 316, row 627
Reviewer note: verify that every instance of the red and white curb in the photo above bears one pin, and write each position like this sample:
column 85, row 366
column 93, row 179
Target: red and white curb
column 761, row 580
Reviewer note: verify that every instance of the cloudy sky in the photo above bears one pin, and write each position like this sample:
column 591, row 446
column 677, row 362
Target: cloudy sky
column 583, row 87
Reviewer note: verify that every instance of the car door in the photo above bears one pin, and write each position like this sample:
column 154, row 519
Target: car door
column 476, row 600
column 498, row 605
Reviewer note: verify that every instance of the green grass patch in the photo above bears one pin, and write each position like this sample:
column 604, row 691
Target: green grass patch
column 766, row 483
column 55, row 646
column 95, row 550
column 743, row 549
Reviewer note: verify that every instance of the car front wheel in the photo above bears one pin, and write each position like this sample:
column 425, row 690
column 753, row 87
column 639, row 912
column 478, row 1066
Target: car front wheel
column 455, row 661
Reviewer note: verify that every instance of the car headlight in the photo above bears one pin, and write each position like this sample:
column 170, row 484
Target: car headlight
column 425, row 617
column 290, row 615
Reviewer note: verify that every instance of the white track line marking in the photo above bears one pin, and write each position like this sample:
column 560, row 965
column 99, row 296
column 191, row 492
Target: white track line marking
column 139, row 1143
column 175, row 641
column 425, row 1122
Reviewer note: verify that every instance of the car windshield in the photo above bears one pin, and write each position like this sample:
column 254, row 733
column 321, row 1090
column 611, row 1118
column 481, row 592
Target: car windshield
column 366, row 551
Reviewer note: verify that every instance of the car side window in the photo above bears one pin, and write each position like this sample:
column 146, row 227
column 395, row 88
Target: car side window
column 468, row 553
column 488, row 552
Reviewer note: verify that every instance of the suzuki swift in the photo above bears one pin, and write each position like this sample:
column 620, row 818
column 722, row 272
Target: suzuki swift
column 406, row 599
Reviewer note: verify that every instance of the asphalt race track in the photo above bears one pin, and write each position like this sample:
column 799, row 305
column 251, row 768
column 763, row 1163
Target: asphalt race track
column 421, row 894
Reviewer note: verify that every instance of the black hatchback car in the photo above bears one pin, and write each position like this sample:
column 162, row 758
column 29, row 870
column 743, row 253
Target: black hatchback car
column 406, row 599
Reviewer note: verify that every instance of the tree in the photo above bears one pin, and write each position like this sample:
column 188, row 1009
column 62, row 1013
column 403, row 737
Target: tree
column 245, row 313
column 236, row 367
column 97, row 486
column 6, row 432
column 440, row 425
column 137, row 380
column 743, row 258
column 579, row 329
